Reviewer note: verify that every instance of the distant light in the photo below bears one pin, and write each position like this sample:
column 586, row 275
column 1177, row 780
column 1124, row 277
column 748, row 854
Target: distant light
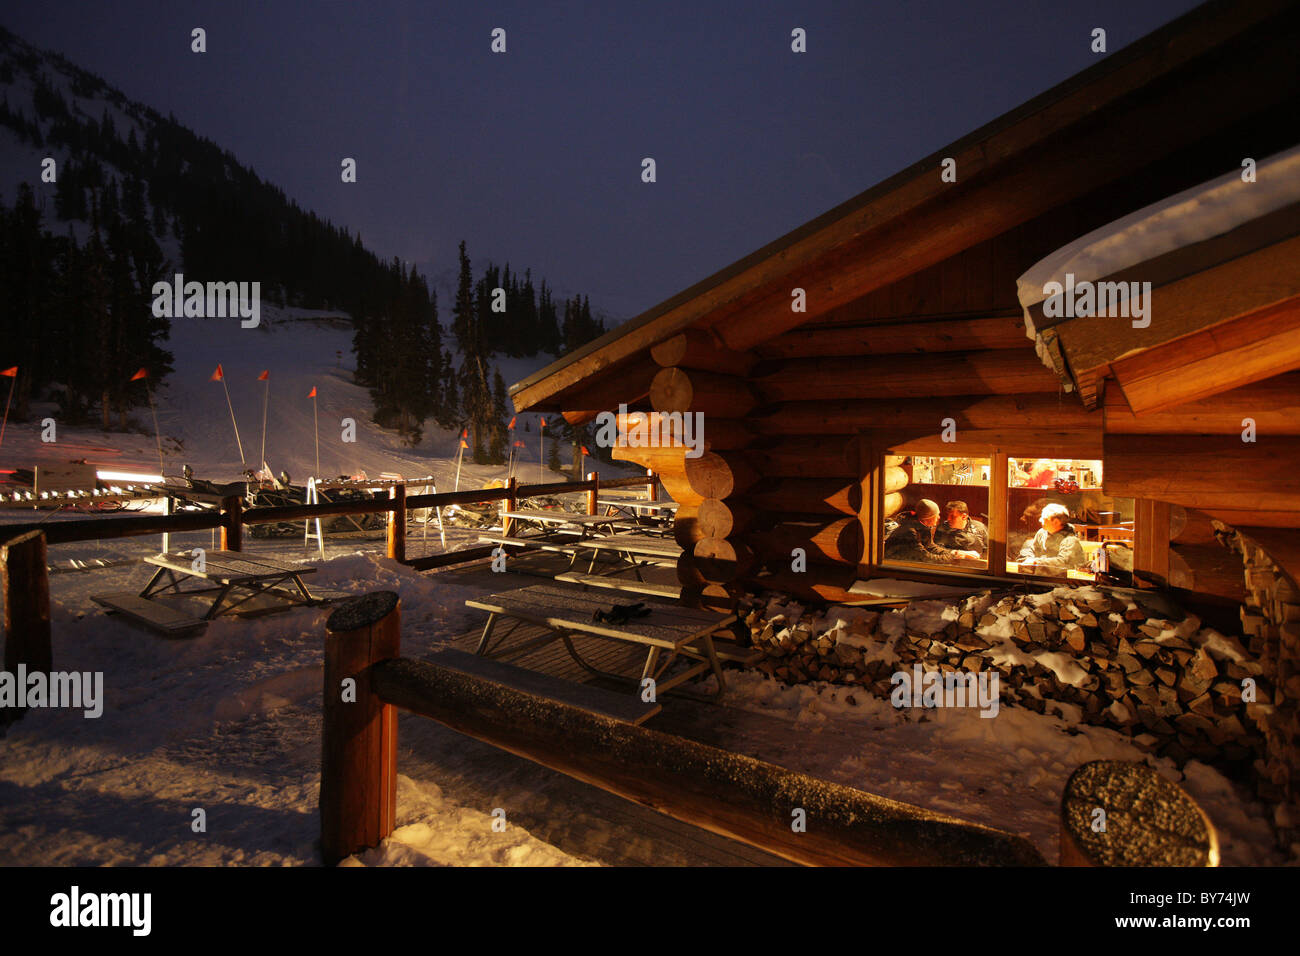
column 128, row 476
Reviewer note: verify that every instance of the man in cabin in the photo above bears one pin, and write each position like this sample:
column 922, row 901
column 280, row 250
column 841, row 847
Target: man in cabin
column 960, row 532
column 913, row 539
column 1056, row 546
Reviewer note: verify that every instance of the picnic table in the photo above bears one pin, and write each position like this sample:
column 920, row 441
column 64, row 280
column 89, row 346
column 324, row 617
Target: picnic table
column 232, row 579
column 668, row 632
column 636, row 549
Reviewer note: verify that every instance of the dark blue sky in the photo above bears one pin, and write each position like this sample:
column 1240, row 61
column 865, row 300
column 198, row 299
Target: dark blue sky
column 535, row 155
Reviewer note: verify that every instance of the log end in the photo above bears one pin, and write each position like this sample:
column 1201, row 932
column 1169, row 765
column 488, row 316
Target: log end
column 1146, row 819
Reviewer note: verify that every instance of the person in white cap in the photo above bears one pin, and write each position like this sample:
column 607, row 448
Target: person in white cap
column 1056, row 545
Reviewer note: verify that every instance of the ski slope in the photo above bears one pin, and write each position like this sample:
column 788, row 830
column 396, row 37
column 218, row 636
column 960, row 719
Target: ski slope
column 301, row 350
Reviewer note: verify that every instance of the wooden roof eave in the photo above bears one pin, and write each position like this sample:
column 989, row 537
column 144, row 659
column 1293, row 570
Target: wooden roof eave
column 1208, row 290
column 1076, row 99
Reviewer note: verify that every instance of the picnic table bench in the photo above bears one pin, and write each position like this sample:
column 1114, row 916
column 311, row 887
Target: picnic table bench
column 232, row 578
column 564, row 612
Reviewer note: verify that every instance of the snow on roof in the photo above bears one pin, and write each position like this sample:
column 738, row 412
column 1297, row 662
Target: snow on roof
column 1193, row 215
column 1188, row 217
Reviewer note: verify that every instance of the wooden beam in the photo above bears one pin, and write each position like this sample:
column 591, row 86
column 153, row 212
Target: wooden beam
column 903, row 337
column 723, row 792
column 1272, row 404
column 827, row 456
column 1227, row 356
column 987, row 412
column 1208, row 473
column 627, row 385
column 698, row 349
column 979, row 443
column 680, row 390
column 1151, row 539
column 1238, row 287
column 915, row 376
column 810, row 495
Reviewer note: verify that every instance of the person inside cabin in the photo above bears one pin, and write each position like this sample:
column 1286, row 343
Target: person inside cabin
column 1042, row 474
column 1055, row 547
column 960, row 532
column 913, row 539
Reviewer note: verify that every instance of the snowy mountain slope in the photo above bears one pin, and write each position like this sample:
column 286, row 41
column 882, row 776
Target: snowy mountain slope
column 301, row 350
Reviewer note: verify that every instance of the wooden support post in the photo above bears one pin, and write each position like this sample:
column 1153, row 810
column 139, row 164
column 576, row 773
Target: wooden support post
column 999, row 477
column 232, row 523
column 512, row 503
column 593, row 492
column 26, row 590
column 168, row 509
column 358, row 789
column 653, row 494
column 1144, row 819
column 397, row 524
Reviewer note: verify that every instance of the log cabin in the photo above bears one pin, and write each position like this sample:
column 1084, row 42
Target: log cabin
column 885, row 351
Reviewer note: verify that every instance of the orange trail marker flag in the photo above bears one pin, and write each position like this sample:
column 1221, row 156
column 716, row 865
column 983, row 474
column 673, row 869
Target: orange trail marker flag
column 10, row 373
column 144, row 374
column 220, row 376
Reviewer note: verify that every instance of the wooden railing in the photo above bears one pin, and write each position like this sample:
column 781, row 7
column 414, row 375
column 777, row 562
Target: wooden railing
column 793, row 815
column 232, row 516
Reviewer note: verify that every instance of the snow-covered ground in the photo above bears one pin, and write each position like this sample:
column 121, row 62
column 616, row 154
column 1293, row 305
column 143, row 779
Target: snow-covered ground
column 229, row 723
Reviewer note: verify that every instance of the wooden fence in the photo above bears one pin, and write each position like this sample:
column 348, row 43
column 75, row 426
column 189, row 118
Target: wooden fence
column 231, row 517
column 731, row 794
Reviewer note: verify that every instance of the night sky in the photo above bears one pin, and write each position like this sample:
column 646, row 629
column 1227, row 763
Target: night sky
column 535, row 155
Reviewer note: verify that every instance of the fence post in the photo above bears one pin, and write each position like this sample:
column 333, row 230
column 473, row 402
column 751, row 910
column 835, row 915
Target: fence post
column 232, row 524
column 168, row 509
column 26, row 590
column 397, row 524
column 593, row 492
column 358, row 785
column 512, row 503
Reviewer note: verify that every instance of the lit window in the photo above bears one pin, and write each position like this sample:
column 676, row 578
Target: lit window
column 937, row 511
column 1061, row 524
